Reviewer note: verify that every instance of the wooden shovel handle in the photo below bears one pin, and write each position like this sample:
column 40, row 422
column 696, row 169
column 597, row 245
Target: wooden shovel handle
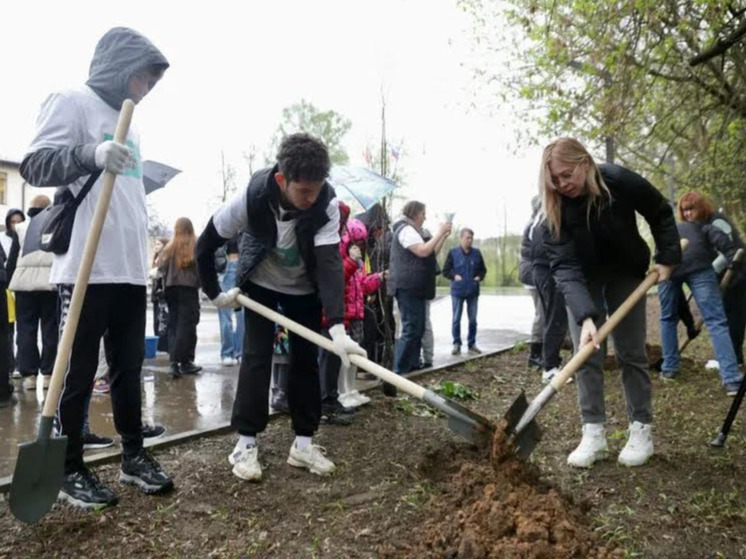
column 399, row 381
column 64, row 349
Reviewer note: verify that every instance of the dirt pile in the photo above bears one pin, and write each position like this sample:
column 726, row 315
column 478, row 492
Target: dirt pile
column 494, row 505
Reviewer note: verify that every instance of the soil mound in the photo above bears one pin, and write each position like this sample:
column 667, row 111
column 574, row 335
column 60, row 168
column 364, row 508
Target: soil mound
column 495, row 505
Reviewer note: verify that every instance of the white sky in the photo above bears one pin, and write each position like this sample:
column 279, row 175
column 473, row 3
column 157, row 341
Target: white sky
column 236, row 65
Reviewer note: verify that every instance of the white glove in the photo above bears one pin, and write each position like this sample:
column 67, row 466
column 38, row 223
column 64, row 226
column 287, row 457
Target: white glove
column 343, row 344
column 114, row 157
column 355, row 253
column 227, row 299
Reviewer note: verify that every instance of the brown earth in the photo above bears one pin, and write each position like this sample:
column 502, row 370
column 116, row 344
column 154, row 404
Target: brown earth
column 406, row 486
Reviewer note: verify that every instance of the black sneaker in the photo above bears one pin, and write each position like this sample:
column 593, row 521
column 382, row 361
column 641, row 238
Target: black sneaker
column 83, row 489
column 333, row 418
column 389, row 390
column 144, row 471
column 152, row 431
column 92, row 441
column 337, row 408
column 175, row 370
column 189, row 368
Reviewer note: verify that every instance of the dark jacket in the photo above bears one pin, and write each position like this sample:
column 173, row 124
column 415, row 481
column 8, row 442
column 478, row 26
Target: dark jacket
column 605, row 243
column 323, row 263
column 705, row 240
column 468, row 265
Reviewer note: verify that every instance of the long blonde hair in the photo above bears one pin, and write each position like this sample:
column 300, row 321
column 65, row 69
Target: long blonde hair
column 181, row 246
column 571, row 151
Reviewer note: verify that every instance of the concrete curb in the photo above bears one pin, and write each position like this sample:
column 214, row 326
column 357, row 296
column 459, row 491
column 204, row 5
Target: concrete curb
column 167, row 441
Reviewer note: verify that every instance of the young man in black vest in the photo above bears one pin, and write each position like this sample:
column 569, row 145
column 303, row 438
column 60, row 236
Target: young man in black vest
column 289, row 256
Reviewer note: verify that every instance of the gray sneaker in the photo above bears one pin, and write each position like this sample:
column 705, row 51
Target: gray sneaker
column 456, row 349
column 474, row 350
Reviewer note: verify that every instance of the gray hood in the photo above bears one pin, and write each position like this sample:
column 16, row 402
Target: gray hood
column 119, row 54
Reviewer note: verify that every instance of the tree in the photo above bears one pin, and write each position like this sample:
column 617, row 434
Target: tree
column 227, row 179
column 664, row 79
column 156, row 227
column 329, row 126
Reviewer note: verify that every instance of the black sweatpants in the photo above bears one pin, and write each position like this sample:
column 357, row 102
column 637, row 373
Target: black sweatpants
column 121, row 309
column 183, row 317
column 555, row 316
column 251, row 406
column 32, row 309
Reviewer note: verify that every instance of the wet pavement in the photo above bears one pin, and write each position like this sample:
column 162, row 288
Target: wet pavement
column 205, row 401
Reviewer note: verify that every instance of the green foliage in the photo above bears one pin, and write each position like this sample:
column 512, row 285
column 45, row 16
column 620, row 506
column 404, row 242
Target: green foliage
column 455, row 390
column 635, row 72
column 329, row 126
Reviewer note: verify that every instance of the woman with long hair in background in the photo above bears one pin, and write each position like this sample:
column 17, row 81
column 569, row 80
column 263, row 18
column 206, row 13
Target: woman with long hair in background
column 182, row 297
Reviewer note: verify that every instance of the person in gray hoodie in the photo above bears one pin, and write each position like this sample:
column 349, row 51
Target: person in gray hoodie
column 72, row 145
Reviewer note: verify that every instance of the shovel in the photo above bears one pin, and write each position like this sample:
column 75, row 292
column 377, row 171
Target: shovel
column 41, row 464
column 524, row 430
column 724, row 283
column 461, row 420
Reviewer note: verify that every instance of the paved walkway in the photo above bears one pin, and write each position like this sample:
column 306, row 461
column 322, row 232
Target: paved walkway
column 205, row 401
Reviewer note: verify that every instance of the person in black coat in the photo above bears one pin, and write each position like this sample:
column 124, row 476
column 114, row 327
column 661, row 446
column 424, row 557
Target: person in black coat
column 598, row 258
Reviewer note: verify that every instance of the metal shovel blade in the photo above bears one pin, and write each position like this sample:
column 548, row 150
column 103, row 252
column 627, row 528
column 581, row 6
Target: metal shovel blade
column 37, row 477
column 473, row 427
column 525, row 441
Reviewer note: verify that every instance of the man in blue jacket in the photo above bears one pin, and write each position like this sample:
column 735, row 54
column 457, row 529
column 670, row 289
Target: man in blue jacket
column 465, row 268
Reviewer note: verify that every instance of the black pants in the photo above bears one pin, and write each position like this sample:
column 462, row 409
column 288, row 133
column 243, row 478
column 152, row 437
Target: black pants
column 5, row 368
column 183, row 317
column 555, row 316
column 35, row 308
column 251, row 407
column 121, row 309
column 734, row 301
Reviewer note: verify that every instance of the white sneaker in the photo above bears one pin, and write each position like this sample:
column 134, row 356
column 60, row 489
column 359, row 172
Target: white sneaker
column 712, row 365
column 29, row 383
column 361, row 399
column 639, row 447
column 546, row 376
column 312, row 459
column 245, row 462
column 347, row 399
column 592, row 446
column 228, row 361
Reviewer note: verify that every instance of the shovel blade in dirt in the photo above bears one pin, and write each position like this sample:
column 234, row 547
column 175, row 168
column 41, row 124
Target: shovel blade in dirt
column 38, row 475
column 526, row 440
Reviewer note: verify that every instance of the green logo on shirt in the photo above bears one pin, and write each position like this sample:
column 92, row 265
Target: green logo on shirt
column 288, row 257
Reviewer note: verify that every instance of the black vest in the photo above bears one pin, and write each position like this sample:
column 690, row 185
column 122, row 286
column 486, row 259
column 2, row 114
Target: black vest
column 409, row 271
column 260, row 236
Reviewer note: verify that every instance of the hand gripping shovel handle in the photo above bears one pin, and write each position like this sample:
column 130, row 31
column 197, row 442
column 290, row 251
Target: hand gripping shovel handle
column 84, row 272
column 400, row 382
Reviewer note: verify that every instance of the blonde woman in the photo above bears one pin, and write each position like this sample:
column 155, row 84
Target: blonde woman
column 598, row 258
column 182, row 296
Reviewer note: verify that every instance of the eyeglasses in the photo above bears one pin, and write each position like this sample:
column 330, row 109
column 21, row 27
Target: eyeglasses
column 559, row 180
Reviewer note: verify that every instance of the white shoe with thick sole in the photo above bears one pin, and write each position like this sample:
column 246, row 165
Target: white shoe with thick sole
column 639, row 447
column 546, row 376
column 245, row 462
column 312, row 459
column 592, row 446
column 29, row 383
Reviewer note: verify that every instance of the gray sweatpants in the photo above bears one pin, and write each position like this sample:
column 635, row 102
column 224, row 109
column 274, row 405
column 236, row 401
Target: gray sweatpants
column 537, row 327
column 629, row 344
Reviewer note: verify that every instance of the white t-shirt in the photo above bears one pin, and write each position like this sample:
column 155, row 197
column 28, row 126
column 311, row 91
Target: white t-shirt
column 283, row 269
column 79, row 116
column 408, row 236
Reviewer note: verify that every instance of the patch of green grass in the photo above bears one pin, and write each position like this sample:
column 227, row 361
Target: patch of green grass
column 410, row 406
column 455, row 390
column 717, row 506
column 520, row 346
column 419, row 495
